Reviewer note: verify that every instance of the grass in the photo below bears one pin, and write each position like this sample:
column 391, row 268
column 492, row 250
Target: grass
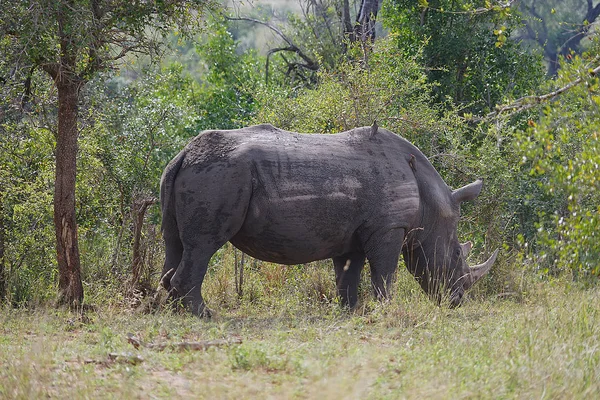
column 297, row 343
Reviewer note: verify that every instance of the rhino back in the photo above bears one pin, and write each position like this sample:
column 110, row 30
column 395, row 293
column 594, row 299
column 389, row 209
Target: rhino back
column 318, row 196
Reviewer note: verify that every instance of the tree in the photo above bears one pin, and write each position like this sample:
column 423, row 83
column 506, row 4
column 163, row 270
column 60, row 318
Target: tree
column 364, row 28
column 561, row 152
column 225, row 99
column 319, row 37
column 71, row 41
column 466, row 49
column 304, row 44
column 558, row 27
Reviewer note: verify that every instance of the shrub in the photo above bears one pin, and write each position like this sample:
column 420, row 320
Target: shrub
column 562, row 152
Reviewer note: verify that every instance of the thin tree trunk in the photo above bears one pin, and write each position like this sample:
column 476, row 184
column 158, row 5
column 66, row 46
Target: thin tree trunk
column 139, row 213
column 365, row 20
column 70, row 288
column 239, row 272
column 124, row 222
column 235, row 270
column 241, row 289
column 347, row 24
column 67, row 249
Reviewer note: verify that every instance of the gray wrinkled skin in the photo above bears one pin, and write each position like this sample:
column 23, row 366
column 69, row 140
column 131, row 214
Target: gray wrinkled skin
column 293, row 198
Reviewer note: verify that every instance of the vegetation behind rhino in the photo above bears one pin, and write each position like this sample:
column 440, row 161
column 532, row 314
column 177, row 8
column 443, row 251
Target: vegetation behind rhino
column 293, row 198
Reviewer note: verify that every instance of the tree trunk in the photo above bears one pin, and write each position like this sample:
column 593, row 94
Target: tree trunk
column 241, row 291
column 348, row 31
column 365, row 20
column 70, row 288
column 67, row 249
column 139, row 212
column 553, row 59
column 239, row 272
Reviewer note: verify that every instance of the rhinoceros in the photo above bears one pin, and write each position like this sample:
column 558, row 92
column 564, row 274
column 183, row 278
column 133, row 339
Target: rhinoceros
column 293, row 198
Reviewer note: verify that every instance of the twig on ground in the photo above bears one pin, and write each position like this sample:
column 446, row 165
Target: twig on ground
column 202, row 345
column 121, row 358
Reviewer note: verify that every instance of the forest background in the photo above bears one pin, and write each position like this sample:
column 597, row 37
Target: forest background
column 505, row 91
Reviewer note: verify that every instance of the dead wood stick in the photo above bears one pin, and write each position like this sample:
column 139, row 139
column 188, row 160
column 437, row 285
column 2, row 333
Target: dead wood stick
column 202, row 345
column 122, row 358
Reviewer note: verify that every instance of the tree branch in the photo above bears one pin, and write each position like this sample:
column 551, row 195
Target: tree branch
column 477, row 11
column 309, row 63
column 527, row 102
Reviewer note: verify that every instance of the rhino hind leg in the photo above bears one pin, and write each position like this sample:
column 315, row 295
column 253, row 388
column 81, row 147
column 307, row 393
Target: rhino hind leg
column 383, row 253
column 211, row 205
column 199, row 245
column 186, row 281
column 347, row 277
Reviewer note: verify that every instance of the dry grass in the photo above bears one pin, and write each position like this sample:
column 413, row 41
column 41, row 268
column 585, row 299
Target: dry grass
column 297, row 343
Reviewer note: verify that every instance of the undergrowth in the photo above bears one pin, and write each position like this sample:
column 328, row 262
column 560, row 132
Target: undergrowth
column 296, row 343
column 516, row 336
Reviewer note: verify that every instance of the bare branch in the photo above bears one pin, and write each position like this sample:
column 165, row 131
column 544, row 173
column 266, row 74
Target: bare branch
column 365, row 20
column 309, row 63
column 477, row 11
column 268, row 25
column 527, row 102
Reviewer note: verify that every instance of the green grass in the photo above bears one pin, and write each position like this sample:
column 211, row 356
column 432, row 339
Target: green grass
column 297, row 343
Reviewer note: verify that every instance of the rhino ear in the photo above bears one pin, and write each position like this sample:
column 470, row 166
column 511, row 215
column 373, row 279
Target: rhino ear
column 466, row 248
column 469, row 192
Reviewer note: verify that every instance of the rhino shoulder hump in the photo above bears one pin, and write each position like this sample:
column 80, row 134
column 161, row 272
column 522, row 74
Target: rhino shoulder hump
column 265, row 126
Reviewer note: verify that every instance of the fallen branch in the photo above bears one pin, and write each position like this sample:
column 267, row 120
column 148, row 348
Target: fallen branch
column 203, row 345
column 506, row 295
column 121, row 358
column 125, row 358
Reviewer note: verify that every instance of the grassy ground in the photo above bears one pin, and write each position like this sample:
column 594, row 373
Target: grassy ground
column 542, row 343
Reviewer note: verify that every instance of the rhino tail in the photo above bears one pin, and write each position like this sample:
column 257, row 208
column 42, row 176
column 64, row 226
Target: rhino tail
column 167, row 182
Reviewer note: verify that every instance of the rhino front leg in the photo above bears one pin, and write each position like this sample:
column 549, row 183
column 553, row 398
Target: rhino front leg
column 347, row 277
column 383, row 252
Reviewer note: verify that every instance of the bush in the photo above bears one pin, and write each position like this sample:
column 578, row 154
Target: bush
column 562, row 152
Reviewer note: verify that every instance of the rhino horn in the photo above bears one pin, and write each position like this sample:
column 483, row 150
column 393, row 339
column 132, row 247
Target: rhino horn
column 478, row 271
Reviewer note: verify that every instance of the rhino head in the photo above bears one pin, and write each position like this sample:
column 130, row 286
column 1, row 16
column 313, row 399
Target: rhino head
column 433, row 253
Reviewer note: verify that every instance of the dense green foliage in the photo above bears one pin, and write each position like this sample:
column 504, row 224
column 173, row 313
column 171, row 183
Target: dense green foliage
column 27, row 262
column 559, row 28
column 466, row 50
column 433, row 67
column 561, row 150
